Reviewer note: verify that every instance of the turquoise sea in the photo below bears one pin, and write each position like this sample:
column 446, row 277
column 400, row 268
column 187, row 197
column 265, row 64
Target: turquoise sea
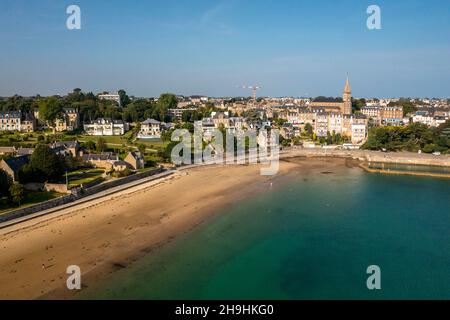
column 310, row 238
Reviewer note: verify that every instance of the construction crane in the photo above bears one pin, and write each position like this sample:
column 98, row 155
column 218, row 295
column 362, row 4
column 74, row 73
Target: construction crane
column 254, row 90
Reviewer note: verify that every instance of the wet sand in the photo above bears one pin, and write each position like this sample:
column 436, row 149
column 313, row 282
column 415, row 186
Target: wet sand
column 110, row 235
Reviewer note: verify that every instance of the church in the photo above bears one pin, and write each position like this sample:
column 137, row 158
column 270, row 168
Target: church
column 343, row 105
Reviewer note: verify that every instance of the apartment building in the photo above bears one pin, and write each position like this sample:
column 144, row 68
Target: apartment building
column 106, row 127
column 14, row 121
column 391, row 115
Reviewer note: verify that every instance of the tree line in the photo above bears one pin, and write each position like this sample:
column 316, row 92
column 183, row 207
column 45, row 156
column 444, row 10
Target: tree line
column 90, row 107
column 413, row 138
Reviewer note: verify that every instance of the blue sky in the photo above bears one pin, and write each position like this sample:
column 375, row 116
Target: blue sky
column 290, row 48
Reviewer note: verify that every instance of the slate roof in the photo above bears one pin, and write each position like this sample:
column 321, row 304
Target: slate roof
column 17, row 162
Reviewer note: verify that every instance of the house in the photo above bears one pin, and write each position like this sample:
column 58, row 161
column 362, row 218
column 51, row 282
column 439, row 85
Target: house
column 106, row 127
column 10, row 121
column 14, row 121
column 7, row 151
column 28, row 123
column 70, row 120
column 65, row 148
column 359, row 129
column 206, row 126
column 423, row 117
column 135, row 159
column 287, row 131
column 321, row 124
column 151, row 129
column 121, row 165
column 220, row 119
column 25, row 151
column 104, row 160
column 177, row 114
column 12, row 166
column 439, row 120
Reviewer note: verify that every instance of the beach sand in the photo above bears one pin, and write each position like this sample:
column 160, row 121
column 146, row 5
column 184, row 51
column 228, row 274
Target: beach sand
column 110, row 235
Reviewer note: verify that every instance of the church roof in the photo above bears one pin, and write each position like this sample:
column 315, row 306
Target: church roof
column 347, row 89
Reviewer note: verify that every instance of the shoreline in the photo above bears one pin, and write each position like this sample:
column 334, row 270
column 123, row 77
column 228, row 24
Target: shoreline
column 113, row 233
column 365, row 158
column 108, row 236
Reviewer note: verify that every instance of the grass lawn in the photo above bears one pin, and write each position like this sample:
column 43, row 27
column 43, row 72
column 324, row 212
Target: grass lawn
column 117, row 140
column 31, row 198
column 79, row 177
column 117, row 144
column 153, row 143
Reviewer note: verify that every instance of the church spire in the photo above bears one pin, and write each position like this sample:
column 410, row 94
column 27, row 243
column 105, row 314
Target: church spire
column 347, row 86
column 347, row 98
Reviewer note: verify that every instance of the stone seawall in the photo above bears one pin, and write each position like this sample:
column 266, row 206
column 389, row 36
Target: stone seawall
column 407, row 173
column 407, row 158
column 15, row 214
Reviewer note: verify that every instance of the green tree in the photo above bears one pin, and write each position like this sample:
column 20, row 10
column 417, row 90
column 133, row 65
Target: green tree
column 124, row 99
column 309, row 129
column 17, row 193
column 90, row 145
column 166, row 135
column 50, row 110
column 45, row 164
column 357, row 104
column 26, row 174
column 4, row 184
column 101, row 145
column 411, row 138
column 165, row 102
column 142, row 149
column 429, row 148
column 166, row 153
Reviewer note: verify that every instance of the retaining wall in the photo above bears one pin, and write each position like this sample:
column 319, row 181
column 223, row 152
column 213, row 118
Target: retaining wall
column 11, row 215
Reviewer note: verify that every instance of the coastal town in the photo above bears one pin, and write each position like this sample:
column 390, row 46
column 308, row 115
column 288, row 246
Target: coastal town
column 224, row 159
column 57, row 145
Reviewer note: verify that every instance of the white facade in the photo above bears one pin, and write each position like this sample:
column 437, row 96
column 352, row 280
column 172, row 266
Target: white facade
column 110, row 97
column 428, row 119
column 423, row 117
column 335, row 123
column 150, row 129
column 10, row 121
column 106, row 127
column 359, row 133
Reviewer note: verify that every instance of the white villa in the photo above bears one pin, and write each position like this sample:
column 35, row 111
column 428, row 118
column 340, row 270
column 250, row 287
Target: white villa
column 151, row 129
column 106, row 127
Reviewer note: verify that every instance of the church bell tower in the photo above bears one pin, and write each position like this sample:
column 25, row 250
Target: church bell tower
column 347, row 98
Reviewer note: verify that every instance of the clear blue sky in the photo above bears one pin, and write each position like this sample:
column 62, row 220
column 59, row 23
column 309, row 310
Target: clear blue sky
column 211, row 47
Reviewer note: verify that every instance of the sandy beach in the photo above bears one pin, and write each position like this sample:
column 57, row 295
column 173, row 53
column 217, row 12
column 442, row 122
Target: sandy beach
column 106, row 236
